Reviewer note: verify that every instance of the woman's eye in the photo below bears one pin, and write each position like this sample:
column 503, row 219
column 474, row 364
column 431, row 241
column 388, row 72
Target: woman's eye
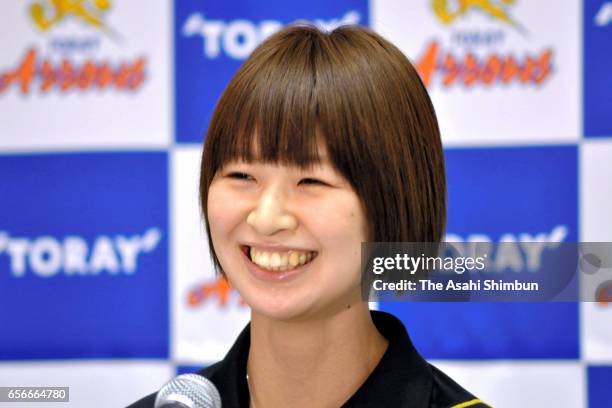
column 239, row 176
column 312, row 181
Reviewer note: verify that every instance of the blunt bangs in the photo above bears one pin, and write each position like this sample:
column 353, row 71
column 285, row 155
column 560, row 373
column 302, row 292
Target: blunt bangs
column 268, row 112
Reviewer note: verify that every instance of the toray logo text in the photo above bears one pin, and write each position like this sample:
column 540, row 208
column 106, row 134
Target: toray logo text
column 61, row 73
column 481, row 64
column 514, row 256
column 48, row 256
column 519, row 252
column 236, row 39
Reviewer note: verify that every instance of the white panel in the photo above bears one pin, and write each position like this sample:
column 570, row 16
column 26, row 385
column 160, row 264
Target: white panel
column 596, row 226
column 510, row 384
column 596, row 190
column 203, row 331
column 596, row 333
column 92, row 384
column 93, row 117
column 499, row 113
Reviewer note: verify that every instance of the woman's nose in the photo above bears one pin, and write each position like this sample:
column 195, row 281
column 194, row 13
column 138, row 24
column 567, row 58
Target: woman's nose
column 270, row 214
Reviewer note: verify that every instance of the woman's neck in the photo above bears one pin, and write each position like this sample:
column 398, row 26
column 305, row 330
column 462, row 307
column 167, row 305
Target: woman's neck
column 313, row 363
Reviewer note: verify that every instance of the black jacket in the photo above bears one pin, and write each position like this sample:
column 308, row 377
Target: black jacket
column 402, row 378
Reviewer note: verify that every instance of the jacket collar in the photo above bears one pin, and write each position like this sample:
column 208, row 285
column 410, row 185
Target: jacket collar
column 401, row 379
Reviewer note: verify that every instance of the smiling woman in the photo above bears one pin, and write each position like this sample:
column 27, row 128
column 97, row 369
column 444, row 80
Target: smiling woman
column 320, row 142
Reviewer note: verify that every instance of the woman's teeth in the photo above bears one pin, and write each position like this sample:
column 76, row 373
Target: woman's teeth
column 280, row 261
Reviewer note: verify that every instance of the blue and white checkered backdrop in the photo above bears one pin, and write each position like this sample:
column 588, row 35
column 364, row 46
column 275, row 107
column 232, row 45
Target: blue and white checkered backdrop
column 105, row 281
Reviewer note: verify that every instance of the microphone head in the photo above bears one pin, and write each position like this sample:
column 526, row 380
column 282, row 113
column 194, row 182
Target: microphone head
column 188, row 391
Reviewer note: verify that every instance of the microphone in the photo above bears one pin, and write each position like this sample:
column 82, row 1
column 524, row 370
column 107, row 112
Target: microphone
column 188, row 391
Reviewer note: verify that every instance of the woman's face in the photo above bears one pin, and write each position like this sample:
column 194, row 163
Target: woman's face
column 288, row 239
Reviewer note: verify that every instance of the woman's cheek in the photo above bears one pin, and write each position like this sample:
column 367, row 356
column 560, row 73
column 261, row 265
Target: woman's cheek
column 346, row 218
column 219, row 214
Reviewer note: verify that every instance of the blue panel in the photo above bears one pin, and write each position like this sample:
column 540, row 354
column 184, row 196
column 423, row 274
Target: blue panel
column 212, row 39
column 83, row 256
column 597, row 68
column 499, row 194
column 599, row 386
column 183, row 369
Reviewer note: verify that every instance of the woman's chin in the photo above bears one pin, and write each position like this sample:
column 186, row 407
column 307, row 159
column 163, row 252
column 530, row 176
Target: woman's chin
column 283, row 308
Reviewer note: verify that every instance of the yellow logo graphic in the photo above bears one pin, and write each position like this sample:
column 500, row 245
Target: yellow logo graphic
column 47, row 14
column 448, row 11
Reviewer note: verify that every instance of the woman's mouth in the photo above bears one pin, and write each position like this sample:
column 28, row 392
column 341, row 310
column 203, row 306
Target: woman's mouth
column 278, row 261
